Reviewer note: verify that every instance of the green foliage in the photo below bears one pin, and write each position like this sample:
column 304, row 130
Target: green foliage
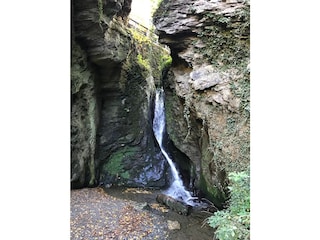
column 233, row 223
column 212, row 192
column 241, row 89
column 227, row 48
column 227, row 39
column 144, row 63
column 151, row 57
column 231, row 150
column 140, row 38
column 165, row 62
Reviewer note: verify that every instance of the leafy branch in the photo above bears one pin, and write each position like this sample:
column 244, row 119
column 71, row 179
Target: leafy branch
column 233, row 223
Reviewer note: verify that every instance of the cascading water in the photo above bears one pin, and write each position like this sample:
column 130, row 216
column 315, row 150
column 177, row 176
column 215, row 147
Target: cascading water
column 176, row 190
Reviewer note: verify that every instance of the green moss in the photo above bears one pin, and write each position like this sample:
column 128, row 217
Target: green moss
column 212, row 192
column 231, row 125
column 144, row 63
column 241, row 89
column 125, row 175
column 165, row 62
column 231, row 150
column 140, row 38
column 227, row 47
column 171, row 103
column 227, row 39
column 115, row 167
column 151, row 57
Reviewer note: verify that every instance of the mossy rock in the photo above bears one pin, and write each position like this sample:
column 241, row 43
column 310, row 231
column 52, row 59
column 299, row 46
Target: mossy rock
column 115, row 168
column 212, row 193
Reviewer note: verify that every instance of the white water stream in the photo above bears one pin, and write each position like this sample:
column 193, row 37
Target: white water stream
column 176, row 189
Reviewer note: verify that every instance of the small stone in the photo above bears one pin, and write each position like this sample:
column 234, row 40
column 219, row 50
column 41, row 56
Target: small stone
column 141, row 206
column 173, row 225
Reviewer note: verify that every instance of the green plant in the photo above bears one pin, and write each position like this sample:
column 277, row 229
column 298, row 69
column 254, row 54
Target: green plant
column 140, row 38
column 144, row 63
column 233, row 223
column 226, row 39
column 151, row 57
column 241, row 89
column 165, row 62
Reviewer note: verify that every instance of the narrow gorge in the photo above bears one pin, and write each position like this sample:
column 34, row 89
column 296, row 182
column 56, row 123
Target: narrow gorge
column 198, row 54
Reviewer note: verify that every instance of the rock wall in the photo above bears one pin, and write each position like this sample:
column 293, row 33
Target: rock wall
column 84, row 119
column 111, row 136
column 113, row 77
column 208, row 88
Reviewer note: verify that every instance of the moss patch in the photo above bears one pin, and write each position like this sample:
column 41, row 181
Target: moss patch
column 152, row 58
column 115, row 167
column 227, row 38
column 211, row 192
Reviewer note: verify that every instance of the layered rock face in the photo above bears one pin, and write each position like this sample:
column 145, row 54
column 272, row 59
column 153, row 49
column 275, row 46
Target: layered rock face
column 207, row 90
column 111, row 133
column 207, row 94
column 84, row 119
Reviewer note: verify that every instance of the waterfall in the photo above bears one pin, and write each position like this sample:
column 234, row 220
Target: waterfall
column 176, row 189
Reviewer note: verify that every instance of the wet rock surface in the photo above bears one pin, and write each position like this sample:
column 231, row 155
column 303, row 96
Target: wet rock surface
column 173, row 204
column 100, row 42
column 111, row 137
